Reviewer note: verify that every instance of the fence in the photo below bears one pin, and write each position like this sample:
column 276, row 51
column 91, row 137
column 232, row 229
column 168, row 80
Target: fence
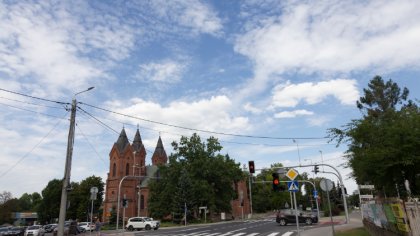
column 392, row 217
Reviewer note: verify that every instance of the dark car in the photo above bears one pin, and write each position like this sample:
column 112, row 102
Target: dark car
column 288, row 216
column 3, row 230
column 15, row 231
column 49, row 228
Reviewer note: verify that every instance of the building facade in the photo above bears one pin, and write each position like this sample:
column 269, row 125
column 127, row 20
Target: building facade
column 128, row 161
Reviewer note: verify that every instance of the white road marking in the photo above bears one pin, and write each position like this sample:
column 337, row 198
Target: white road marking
column 287, row 234
column 273, row 234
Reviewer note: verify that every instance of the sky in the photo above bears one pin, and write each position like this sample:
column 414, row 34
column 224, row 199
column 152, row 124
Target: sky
column 275, row 74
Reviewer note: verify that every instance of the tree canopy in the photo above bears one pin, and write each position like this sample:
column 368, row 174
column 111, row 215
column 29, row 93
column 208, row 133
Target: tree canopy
column 197, row 175
column 384, row 145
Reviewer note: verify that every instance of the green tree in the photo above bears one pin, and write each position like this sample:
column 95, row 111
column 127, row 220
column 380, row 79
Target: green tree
column 29, row 202
column 6, row 210
column 384, row 145
column 49, row 207
column 197, row 172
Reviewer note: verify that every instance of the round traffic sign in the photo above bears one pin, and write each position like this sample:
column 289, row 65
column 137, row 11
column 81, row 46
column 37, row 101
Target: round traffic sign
column 326, row 184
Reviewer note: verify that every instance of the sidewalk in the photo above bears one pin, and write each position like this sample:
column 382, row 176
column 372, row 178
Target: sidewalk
column 326, row 229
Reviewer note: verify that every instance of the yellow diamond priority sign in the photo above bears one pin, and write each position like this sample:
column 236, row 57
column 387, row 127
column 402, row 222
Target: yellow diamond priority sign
column 292, row 174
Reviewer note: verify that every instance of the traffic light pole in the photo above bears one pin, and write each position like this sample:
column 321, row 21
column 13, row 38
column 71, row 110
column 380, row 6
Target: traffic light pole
column 340, row 178
column 141, row 177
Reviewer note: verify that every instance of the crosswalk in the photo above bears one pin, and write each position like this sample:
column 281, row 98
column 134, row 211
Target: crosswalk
column 230, row 233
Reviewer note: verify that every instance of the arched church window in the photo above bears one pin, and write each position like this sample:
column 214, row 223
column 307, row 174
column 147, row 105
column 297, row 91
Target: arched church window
column 114, row 170
column 127, row 169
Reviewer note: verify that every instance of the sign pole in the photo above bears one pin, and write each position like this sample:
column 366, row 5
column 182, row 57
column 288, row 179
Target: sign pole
column 296, row 213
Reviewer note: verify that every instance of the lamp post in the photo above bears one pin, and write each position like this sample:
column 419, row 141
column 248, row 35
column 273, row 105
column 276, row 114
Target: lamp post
column 67, row 169
column 322, row 160
column 297, row 145
column 93, row 193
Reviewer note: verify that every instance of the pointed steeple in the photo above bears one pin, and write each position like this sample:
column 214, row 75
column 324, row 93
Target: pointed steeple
column 159, row 156
column 137, row 143
column 122, row 141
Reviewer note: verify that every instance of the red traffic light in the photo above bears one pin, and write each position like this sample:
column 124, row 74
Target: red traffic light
column 251, row 166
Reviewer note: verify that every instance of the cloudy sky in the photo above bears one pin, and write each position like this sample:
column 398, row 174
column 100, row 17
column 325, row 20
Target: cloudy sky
column 283, row 70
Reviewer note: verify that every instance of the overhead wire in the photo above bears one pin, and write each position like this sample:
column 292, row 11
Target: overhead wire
column 105, row 125
column 198, row 130
column 26, row 95
column 33, row 148
column 90, row 144
column 30, row 103
column 24, row 109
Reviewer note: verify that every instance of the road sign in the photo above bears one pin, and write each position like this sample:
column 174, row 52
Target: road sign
column 326, row 184
column 293, row 186
column 367, row 186
column 315, row 194
column 292, row 174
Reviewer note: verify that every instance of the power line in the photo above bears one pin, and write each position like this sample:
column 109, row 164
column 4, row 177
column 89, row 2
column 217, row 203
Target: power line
column 40, row 141
column 90, row 144
column 105, row 125
column 29, row 96
column 198, row 130
column 35, row 104
column 31, row 111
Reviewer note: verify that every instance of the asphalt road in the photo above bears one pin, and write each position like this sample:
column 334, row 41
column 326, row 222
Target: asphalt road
column 263, row 227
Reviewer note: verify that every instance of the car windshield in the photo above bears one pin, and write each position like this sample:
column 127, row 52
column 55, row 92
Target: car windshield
column 16, row 228
column 33, row 227
column 147, row 219
column 3, row 229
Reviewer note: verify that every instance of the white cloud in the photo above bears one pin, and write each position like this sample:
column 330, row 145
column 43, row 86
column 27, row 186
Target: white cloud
column 319, row 120
column 249, row 107
column 196, row 15
column 292, row 114
column 333, row 37
column 206, row 114
column 166, row 71
column 290, row 95
column 53, row 44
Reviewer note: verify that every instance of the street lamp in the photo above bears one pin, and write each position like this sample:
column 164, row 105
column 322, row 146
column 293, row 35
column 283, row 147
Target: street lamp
column 93, row 196
column 322, row 160
column 297, row 145
column 67, row 169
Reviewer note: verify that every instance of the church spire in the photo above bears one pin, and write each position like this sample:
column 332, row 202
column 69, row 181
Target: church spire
column 137, row 142
column 122, row 141
column 159, row 156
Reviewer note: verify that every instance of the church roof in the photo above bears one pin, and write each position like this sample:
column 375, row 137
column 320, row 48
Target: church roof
column 122, row 141
column 159, row 150
column 137, row 143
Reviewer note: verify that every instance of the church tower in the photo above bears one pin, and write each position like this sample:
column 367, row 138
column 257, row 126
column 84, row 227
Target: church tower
column 159, row 156
column 127, row 159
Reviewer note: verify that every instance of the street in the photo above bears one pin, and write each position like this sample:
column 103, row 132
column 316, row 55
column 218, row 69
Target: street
column 261, row 227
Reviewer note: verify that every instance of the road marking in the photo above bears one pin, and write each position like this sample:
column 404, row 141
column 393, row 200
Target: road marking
column 253, row 234
column 273, row 234
column 239, row 234
column 287, row 234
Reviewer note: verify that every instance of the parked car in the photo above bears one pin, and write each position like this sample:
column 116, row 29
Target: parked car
column 87, row 226
column 3, row 230
column 35, row 230
column 49, row 228
column 15, row 231
column 139, row 223
column 288, row 216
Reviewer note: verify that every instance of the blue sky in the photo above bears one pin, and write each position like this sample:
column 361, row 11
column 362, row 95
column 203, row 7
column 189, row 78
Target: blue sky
column 284, row 69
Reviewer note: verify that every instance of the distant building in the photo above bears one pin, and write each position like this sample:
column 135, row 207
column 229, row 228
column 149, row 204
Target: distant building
column 129, row 159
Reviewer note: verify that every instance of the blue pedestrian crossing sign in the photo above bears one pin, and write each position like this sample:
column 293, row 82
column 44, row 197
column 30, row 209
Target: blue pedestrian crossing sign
column 293, row 186
column 315, row 194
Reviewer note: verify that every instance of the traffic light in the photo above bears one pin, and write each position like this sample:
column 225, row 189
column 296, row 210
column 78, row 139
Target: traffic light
column 124, row 203
column 276, row 182
column 316, row 169
column 251, row 166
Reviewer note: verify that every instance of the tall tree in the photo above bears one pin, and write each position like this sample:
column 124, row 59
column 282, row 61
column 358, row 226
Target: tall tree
column 197, row 172
column 384, row 145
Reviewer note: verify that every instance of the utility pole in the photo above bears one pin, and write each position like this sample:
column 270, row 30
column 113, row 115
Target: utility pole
column 66, row 180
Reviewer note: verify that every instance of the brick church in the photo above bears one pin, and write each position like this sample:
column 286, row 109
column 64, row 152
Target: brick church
column 129, row 159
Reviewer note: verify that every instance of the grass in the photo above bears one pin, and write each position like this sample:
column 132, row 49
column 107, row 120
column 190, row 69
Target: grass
column 353, row 232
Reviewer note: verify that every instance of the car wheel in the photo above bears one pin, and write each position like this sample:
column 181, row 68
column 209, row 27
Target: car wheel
column 308, row 221
column 130, row 228
column 148, row 227
column 282, row 222
column 156, row 228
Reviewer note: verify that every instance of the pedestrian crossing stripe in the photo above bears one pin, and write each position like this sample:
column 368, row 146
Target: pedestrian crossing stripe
column 293, row 186
column 231, row 233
